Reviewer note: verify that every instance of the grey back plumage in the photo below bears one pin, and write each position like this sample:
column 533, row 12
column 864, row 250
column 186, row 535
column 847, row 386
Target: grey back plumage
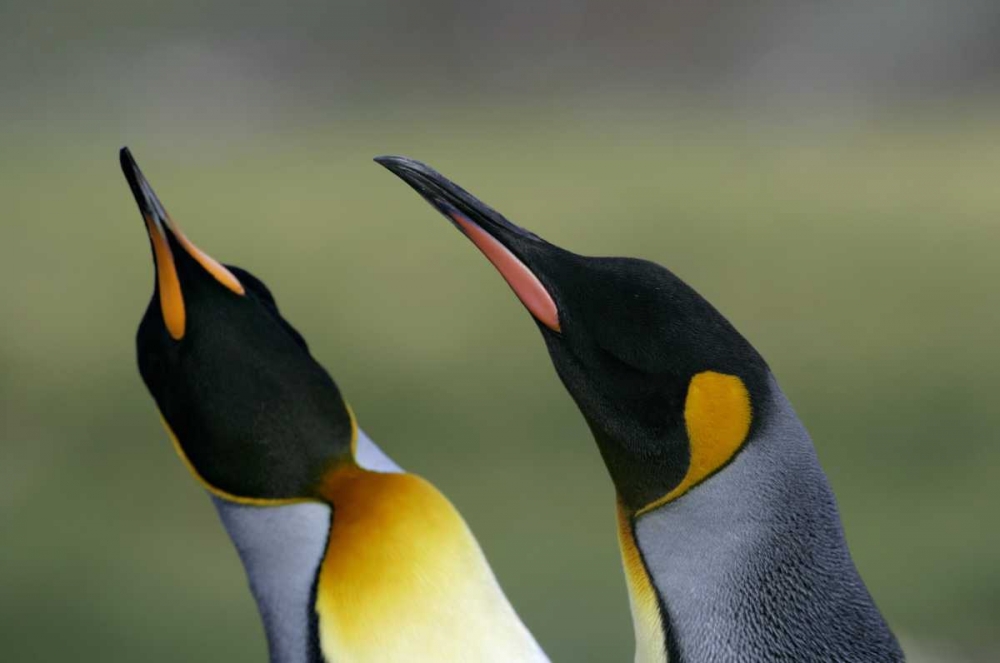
column 752, row 564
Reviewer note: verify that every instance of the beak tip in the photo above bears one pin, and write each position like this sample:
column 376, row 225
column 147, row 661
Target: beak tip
column 129, row 167
column 141, row 191
column 400, row 164
column 125, row 158
column 390, row 162
column 131, row 172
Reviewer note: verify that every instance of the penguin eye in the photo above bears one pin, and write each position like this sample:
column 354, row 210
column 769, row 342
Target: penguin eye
column 631, row 362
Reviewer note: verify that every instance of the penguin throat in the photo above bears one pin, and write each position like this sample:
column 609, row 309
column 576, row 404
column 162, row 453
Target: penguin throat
column 647, row 620
column 404, row 579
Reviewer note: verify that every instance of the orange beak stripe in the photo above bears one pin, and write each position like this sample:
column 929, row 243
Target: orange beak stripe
column 208, row 263
column 160, row 226
column 171, row 300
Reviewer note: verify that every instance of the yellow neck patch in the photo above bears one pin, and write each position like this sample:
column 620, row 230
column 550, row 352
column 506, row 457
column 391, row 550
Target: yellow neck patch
column 717, row 416
column 403, row 579
column 650, row 642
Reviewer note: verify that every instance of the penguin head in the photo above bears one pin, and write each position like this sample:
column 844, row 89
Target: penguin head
column 671, row 391
column 256, row 419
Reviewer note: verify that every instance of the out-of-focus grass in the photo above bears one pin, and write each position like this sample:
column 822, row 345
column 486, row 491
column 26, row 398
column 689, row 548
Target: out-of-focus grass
column 861, row 262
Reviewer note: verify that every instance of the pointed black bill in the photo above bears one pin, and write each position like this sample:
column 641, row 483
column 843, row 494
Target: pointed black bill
column 149, row 205
column 503, row 243
column 166, row 238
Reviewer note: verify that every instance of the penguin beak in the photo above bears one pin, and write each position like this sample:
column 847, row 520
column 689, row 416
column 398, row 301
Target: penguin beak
column 497, row 238
column 165, row 237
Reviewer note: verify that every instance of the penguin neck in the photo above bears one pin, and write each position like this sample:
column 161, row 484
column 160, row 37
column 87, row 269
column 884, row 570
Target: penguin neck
column 752, row 564
column 403, row 578
column 281, row 548
column 369, row 456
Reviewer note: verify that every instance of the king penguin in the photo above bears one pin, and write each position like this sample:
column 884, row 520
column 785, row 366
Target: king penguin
column 349, row 558
column 730, row 537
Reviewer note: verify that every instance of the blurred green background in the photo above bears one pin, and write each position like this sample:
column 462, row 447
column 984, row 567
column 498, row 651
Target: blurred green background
column 825, row 174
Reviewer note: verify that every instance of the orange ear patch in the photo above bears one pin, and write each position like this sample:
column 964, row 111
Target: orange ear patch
column 717, row 416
